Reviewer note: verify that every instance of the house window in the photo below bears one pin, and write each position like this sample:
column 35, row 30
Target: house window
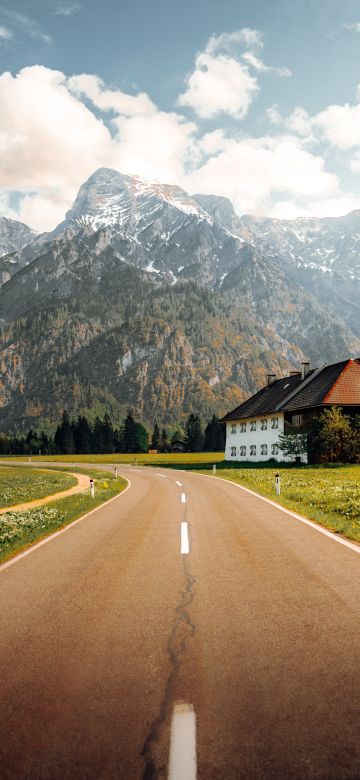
column 264, row 449
column 274, row 422
column 233, row 428
column 297, row 420
column 274, row 449
column 253, row 449
column 253, row 425
column 264, row 425
column 243, row 427
column 242, row 451
column 233, row 452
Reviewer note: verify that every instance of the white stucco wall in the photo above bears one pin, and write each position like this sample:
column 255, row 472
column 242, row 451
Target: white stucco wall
column 255, row 438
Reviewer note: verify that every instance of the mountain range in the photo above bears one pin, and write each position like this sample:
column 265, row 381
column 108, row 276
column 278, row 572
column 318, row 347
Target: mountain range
column 149, row 298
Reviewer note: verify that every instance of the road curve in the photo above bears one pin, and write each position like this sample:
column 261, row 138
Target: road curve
column 195, row 592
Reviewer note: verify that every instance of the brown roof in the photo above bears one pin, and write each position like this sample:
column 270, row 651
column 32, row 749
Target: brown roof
column 338, row 383
column 346, row 390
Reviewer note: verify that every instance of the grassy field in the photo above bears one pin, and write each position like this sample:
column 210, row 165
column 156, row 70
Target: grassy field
column 330, row 496
column 162, row 459
column 20, row 529
column 18, row 485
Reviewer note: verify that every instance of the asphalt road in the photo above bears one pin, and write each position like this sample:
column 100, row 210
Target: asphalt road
column 106, row 627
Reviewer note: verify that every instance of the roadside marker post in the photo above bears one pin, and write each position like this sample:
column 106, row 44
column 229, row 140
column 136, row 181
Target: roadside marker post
column 214, row 469
column 277, row 484
column 115, row 471
column 92, row 488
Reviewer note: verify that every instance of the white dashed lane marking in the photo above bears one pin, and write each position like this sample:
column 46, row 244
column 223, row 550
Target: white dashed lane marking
column 178, row 483
column 182, row 760
column 184, row 539
column 183, row 498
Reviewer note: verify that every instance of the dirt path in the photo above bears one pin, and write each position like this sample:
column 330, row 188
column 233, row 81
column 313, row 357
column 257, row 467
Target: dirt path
column 83, row 484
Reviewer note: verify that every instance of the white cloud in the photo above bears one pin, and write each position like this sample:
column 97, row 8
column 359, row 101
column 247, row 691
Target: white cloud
column 68, row 10
column 339, row 125
column 93, row 88
column 352, row 26
column 6, row 209
column 355, row 163
column 254, row 61
column 273, row 115
column 219, row 84
column 5, row 34
column 24, row 24
column 255, row 173
column 300, row 122
column 247, row 36
column 220, row 81
column 213, row 142
column 156, row 146
column 50, row 141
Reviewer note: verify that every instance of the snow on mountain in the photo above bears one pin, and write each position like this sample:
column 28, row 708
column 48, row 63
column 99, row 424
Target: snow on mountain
column 14, row 235
column 147, row 293
column 109, row 199
column 321, row 254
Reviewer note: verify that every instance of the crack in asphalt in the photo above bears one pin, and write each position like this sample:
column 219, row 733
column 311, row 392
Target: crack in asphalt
column 182, row 631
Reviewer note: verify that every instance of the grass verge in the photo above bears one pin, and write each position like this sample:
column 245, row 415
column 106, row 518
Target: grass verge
column 18, row 485
column 329, row 496
column 21, row 529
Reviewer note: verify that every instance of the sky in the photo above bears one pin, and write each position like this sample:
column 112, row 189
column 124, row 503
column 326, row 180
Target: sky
column 256, row 101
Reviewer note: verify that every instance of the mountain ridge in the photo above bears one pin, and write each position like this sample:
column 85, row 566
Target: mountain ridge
column 181, row 269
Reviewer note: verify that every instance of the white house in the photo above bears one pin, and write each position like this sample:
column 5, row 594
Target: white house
column 253, row 428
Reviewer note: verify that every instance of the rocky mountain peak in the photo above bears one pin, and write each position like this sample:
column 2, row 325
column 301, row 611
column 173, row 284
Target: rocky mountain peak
column 220, row 209
column 14, row 235
column 110, row 198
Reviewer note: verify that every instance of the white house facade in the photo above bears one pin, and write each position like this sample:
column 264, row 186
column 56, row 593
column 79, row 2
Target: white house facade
column 254, row 438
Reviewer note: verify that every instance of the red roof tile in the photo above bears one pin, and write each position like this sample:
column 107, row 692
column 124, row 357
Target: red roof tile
column 346, row 389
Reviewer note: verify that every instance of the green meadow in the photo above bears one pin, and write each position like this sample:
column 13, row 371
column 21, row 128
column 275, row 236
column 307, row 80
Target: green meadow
column 19, row 485
column 141, row 459
column 21, row 529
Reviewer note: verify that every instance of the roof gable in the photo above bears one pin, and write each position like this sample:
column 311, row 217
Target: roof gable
column 338, row 383
column 346, row 389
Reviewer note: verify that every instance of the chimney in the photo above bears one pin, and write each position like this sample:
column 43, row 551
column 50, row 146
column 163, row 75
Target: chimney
column 305, row 368
column 270, row 379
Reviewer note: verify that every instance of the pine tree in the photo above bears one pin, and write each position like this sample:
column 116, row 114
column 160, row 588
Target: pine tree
column 164, row 442
column 214, row 436
column 129, row 433
column 97, row 436
column 155, row 439
column 194, row 437
column 119, row 440
column 107, row 435
column 141, row 438
column 82, row 436
column 64, row 438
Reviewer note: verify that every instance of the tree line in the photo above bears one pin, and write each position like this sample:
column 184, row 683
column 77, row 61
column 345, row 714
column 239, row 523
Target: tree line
column 81, row 437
